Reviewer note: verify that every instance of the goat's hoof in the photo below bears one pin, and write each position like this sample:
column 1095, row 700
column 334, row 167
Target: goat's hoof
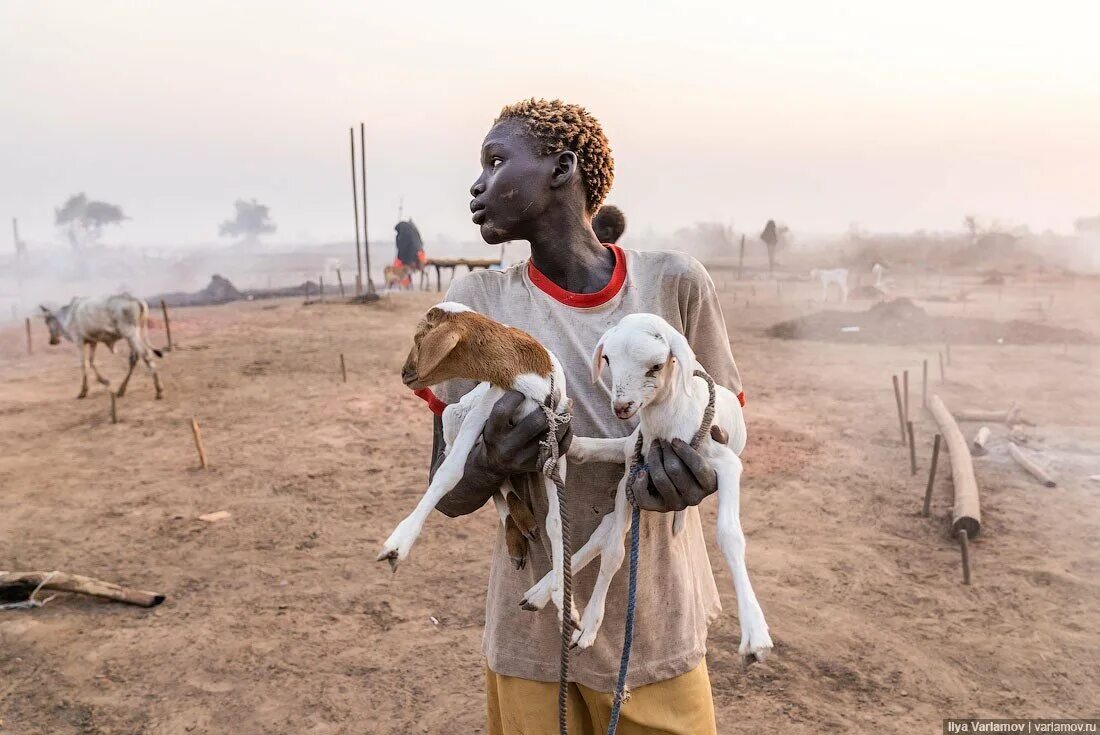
column 581, row 639
column 391, row 557
column 160, row 396
column 82, row 394
column 529, row 606
column 120, row 394
column 755, row 648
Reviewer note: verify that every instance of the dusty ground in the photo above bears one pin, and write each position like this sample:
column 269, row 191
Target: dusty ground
column 278, row 621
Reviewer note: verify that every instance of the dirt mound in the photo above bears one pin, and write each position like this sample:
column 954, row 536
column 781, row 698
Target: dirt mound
column 902, row 322
column 219, row 291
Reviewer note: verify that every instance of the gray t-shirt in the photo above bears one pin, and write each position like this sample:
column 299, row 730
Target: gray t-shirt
column 676, row 592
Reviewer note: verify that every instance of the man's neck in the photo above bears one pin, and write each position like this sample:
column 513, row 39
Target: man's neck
column 566, row 251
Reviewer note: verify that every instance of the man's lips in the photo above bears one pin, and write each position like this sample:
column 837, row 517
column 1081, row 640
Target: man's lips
column 478, row 210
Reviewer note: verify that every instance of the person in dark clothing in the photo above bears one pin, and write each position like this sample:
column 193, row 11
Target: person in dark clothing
column 609, row 224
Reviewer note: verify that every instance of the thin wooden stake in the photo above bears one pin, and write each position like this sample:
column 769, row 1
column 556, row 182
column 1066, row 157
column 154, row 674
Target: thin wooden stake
column 905, row 391
column 901, row 415
column 943, row 375
column 198, row 441
column 321, row 286
column 931, row 476
column 741, row 258
column 355, row 205
column 912, row 450
column 114, row 410
column 307, row 292
column 924, row 384
column 343, row 368
column 340, row 282
column 167, row 325
column 30, row 348
column 964, row 547
column 363, row 174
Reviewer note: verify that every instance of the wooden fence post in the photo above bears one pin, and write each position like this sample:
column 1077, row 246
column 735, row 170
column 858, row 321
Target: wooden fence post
column 198, row 441
column 167, row 325
column 343, row 368
column 901, row 415
column 30, row 349
column 931, row 476
column 340, row 282
column 912, row 450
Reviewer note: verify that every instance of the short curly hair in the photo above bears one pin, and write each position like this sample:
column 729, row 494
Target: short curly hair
column 558, row 126
column 609, row 223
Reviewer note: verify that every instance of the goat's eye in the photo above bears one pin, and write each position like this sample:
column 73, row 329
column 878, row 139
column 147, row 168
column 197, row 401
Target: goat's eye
column 653, row 370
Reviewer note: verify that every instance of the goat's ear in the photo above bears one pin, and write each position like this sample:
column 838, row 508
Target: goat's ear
column 44, row 309
column 597, row 361
column 685, row 356
column 435, row 346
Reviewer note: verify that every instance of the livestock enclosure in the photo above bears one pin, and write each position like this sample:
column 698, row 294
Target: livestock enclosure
column 278, row 620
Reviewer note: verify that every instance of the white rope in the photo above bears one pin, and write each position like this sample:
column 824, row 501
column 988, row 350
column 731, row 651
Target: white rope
column 30, row 602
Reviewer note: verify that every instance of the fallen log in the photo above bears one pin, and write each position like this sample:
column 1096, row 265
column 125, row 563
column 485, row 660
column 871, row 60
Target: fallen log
column 967, row 514
column 17, row 586
column 980, row 440
column 1003, row 416
column 1029, row 464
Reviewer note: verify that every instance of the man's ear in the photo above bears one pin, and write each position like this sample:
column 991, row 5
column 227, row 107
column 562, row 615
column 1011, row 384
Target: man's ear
column 685, row 357
column 435, row 346
column 597, row 361
column 565, row 168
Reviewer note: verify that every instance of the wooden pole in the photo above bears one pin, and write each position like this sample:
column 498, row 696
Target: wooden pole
column 741, row 259
column 931, row 476
column 964, row 547
column 1030, row 465
column 943, row 375
column 343, row 368
column 198, row 441
column 27, row 582
column 321, row 286
column 167, row 325
column 114, row 410
column 901, row 414
column 924, row 384
column 355, row 205
column 30, row 347
column 912, row 449
column 307, row 292
column 905, row 391
column 967, row 513
column 363, row 173
column 340, row 282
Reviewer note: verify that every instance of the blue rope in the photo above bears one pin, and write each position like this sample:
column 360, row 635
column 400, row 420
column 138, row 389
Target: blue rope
column 628, row 633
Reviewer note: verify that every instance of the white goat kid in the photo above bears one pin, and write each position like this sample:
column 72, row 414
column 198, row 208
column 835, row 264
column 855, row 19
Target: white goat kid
column 837, row 277
column 455, row 342
column 652, row 369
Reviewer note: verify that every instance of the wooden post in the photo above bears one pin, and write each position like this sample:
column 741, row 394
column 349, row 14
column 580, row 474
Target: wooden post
column 340, row 282
column 901, row 414
column 167, row 326
column 366, row 232
column 924, row 384
column 912, row 449
column 307, row 292
column 355, row 206
column 30, row 348
column 931, row 476
column 198, row 441
column 741, row 259
column 1029, row 464
column 967, row 514
column 964, row 547
column 943, row 375
column 321, row 286
column 343, row 368
column 114, row 410
column 905, row 391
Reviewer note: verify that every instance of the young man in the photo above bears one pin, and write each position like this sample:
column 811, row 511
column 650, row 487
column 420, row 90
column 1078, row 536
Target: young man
column 546, row 167
column 609, row 224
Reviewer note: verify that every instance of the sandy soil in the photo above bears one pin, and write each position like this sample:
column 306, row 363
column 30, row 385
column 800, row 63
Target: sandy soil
column 277, row 620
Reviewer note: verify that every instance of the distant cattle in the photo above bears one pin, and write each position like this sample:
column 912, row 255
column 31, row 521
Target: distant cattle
column 88, row 321
column 837, row 277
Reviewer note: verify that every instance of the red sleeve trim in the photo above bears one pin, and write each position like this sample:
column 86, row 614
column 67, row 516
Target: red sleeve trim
column 435, row 405
column 741, row 398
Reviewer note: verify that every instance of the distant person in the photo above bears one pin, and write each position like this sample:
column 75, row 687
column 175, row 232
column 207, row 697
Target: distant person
column 410, row 252
column 609, row 224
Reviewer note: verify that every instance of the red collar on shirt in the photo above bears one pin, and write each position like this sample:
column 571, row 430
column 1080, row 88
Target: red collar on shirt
column 582, row 300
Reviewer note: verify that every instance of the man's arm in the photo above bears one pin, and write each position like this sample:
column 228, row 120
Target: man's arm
column 506, row 449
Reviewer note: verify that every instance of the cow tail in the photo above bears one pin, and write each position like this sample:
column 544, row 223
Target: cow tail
column 143, row 326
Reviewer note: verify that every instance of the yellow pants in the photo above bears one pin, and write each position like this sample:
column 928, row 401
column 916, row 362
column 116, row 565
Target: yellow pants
column 679, row 706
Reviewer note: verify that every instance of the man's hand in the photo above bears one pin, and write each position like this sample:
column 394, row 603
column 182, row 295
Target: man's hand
column 512, row 448
column 678, row 477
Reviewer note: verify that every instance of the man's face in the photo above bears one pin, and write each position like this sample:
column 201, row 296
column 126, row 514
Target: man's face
column 513, row 189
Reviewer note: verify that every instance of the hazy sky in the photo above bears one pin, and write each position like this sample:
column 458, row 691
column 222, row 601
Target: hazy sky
column 896, row 116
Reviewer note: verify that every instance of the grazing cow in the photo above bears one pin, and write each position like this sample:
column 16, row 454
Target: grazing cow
column 88, row 321
column 837, row 277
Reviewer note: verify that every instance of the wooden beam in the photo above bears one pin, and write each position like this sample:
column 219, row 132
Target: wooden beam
column 967, row 513
column 1030, row 465
column 16, row 583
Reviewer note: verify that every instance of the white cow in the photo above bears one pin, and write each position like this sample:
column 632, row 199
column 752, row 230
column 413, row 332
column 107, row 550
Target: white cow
column 837, row 276
column 88, row 321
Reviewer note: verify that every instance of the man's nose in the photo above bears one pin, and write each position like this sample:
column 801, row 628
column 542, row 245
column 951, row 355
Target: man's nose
column 478, row 187
column 623, row 409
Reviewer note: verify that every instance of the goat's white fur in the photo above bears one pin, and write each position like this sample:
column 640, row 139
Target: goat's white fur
column 463, row 423
column 837, row 277
column 668, row 408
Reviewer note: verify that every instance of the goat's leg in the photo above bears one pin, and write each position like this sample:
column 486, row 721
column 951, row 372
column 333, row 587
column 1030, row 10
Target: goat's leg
column 611, row 559
column 91, row 361
column 514, row 538
column 756, row 643
column 84, row 370
column 557, row 546
column 400, row 542
column 537, row 597
column 133, row 363
column 520, row 512
column 588, row 449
